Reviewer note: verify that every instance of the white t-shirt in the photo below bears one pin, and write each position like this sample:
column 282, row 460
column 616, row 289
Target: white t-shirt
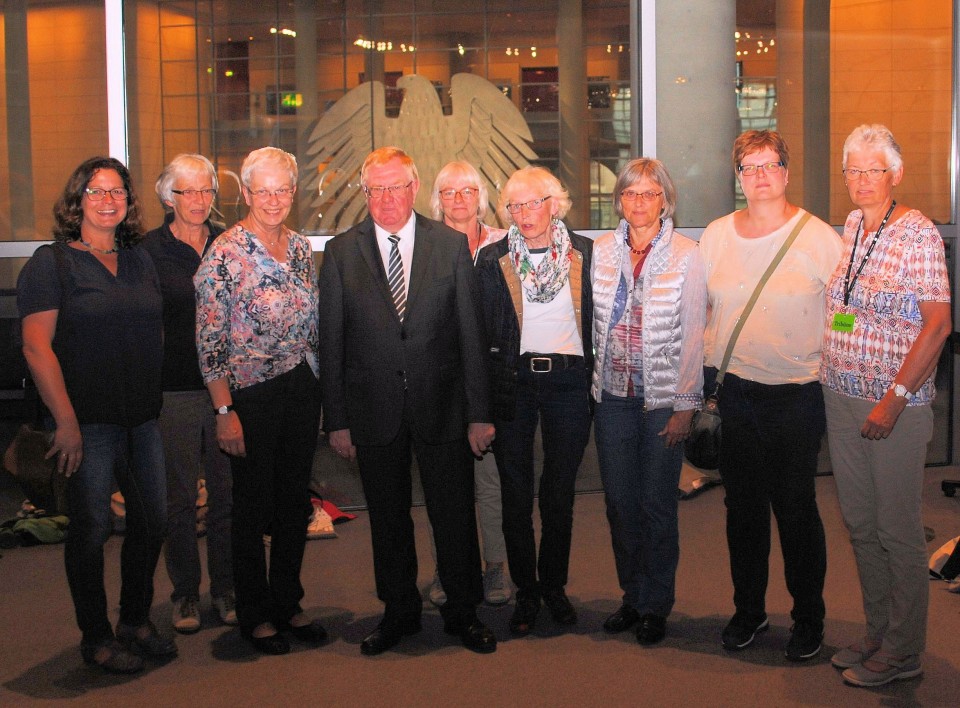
column 550, row 327
column 780, row 342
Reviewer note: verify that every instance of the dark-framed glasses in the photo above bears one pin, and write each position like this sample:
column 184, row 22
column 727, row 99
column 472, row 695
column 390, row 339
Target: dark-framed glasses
column 630, row 195
column 282, row 193
column 448, row 195
column 209, row 193
column 770, row 168
column 395, row 190
column 873, row 174
column 532, row 205
column 96, row 195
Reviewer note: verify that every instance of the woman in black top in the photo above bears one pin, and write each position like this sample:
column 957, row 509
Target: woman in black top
column 187, row 187
column 92, row 336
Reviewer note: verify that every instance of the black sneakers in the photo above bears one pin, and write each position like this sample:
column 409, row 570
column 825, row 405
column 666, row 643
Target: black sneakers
column 739, row 633
column 805, row 641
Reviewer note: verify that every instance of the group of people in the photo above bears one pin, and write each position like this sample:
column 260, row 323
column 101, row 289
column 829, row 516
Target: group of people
column 220, row 348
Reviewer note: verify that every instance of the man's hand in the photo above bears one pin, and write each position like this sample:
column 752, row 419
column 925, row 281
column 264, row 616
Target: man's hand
column 342, row 445
column 480, row 436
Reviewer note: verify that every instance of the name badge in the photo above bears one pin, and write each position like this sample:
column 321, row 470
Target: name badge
column 843, row 322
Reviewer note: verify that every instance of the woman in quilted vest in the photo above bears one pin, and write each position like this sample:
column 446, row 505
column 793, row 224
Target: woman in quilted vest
column 649, row 312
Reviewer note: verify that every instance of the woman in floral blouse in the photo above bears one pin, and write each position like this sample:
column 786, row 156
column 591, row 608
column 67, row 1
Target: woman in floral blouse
column 257, row 340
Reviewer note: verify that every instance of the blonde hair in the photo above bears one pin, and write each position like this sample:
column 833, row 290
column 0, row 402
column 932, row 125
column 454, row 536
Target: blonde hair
column 450, row 172
column 539, row 178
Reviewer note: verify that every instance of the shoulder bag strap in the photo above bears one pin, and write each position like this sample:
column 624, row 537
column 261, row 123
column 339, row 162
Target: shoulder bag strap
column 742, row 320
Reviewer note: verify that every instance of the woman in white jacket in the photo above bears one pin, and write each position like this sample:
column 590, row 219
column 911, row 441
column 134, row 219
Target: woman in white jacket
column 649, row 291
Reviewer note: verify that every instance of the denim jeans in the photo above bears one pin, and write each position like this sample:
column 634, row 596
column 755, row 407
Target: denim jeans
column 560, row 401
column 135, row 457
column 189, row 431
column 768, row 460
column 640, row 476
column 281, row 422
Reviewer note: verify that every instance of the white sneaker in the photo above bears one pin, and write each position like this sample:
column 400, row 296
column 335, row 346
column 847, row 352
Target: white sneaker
column 496, row 589
column 186, row 615
column 321, row 525
column 436, row 593
column 226, row 608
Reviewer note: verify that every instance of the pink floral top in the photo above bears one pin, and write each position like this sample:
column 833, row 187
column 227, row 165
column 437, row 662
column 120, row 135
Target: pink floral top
column 257, row 318
column 906, row 268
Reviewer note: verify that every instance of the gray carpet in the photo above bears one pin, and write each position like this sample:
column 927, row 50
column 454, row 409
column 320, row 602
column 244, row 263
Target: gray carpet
column 41, row 663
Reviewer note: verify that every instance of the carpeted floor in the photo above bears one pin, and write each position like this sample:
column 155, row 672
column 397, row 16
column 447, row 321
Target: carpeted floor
column 40, row 662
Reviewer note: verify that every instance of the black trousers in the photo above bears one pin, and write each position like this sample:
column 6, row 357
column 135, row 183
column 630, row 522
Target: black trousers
column 446, row 473
column 280, row 419
column 768, row 461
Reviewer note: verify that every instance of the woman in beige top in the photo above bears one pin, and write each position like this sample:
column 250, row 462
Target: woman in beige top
column 771, row 405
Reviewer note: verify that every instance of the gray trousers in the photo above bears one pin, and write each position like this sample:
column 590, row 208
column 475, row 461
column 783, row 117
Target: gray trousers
column 879, row 483
column 188, row 430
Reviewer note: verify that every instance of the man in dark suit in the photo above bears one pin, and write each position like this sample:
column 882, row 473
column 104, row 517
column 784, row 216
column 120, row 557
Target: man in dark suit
column 402, row 367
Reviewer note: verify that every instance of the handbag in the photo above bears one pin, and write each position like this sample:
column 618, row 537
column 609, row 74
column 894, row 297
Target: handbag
column 702, row 448
column 39, row 479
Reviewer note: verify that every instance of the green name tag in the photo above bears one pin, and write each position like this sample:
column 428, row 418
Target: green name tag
column 843, row 322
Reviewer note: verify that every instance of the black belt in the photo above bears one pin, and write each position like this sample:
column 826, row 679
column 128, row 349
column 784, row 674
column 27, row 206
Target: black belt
column 545, row 363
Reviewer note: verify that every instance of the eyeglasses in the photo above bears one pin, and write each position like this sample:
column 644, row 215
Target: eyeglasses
column 873, row 174
column 532, row 205
column 466, row 193
column 96, row 195
column 628, row 195
column 394, row 190
column 281, row 194
column 770, row 168
column 191, row 193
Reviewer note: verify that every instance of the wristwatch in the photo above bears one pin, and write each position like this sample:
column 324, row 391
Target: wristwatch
column 223, row 410
column 901, row 391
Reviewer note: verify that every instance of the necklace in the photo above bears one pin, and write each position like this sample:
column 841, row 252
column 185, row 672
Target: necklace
column 106, row 252
column 641, row 251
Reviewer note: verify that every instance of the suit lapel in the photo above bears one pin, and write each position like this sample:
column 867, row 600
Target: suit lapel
column 370, row 252
column 422, row 252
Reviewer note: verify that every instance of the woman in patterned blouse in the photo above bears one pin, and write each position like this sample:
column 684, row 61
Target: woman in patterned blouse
column 888, row 315
column 257, row 340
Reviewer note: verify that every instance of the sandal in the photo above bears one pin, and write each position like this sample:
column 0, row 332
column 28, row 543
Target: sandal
column 116, row 660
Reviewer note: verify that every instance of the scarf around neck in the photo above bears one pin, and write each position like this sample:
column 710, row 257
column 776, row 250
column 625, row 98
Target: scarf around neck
column 542, row 282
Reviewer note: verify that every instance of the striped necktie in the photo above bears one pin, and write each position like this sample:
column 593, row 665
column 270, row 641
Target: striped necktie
column 395, row 276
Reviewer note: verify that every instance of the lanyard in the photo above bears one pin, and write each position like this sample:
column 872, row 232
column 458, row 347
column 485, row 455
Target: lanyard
column 848, row 284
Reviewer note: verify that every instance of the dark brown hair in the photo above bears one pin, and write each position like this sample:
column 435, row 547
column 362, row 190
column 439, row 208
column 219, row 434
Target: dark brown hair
column 68, row 211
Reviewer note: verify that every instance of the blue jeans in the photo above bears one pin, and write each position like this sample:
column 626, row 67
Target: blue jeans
column 768, row 460
column 135, row 457
column 640, row 476
column 189, row 431
column 560, row 401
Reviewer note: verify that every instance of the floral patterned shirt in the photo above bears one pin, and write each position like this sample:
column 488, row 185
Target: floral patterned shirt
column 906, row 268
column 257, row 318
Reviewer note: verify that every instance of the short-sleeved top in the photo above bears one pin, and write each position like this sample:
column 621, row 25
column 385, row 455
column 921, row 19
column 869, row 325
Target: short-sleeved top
column 176, row 263
column 257, row 318
column 109, row 335
column 780, row 342
column 907, row 267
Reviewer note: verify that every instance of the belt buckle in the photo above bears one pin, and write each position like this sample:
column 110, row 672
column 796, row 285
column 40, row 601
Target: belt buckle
column 534, row 360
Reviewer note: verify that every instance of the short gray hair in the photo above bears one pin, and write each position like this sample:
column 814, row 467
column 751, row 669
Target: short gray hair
column 653, row 170
column 181, row 166
column 449, row 173
column 267, row 158
column 873, row 136
column 540, row 178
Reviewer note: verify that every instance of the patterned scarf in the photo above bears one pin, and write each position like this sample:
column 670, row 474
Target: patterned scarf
column 541, row 283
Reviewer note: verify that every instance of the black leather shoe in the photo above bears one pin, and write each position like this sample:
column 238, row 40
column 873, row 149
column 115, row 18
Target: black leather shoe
column 271, row 644
column 652, row 629
column 524, row 614
column 310, row 633
column 621, row 620
column 474, row 635
column 388, row 634
column 559, row 605
column 146, row 641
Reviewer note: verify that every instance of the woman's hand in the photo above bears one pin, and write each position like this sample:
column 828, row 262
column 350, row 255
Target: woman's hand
column 879, row 424
column 230, row 434
column 67, row 447
column 678, row 428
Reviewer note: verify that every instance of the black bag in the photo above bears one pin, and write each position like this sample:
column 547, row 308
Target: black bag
column 702, row 447
column 38, row 477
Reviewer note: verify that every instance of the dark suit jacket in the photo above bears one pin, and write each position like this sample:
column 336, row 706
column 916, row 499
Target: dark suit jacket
column 367, row 357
